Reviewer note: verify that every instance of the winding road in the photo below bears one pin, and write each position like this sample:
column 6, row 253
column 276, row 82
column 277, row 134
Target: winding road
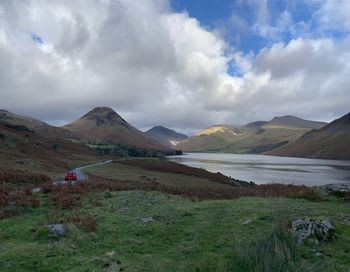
column 80, row 174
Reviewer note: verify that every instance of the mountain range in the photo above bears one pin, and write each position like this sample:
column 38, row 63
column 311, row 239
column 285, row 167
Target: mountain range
column 283, row 136
column 256, row 137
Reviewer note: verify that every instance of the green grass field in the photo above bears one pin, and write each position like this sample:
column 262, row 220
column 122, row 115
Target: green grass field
column 184, row 236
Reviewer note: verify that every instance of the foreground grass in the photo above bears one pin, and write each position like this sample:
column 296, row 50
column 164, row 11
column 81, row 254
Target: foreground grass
column 185, row 235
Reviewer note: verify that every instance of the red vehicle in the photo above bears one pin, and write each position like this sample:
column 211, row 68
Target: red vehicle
column 71, row 175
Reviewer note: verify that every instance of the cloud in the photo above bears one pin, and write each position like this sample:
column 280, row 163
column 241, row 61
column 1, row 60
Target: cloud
column 157, row 66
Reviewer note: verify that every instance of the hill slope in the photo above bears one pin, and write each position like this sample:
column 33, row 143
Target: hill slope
column 22, row 148
column 255, row 137
column 104, row 124
column 214, row 138
column 43, row 129
column 165, row 136
column 331, row 141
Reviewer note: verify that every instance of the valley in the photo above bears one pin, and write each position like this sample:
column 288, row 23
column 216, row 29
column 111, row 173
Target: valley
column 121, row 215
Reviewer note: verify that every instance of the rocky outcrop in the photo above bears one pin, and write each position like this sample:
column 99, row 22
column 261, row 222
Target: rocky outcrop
column 318, row 229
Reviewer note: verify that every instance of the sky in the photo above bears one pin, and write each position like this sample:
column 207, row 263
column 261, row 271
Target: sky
column 182, row 64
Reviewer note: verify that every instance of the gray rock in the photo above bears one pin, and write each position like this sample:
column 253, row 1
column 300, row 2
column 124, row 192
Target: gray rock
column 36, row 190
column 248, row 221
column 56, row 230
column 338, row 187
column 318, row 254
column 124, row 210
column 147, row 219
column 308, row 227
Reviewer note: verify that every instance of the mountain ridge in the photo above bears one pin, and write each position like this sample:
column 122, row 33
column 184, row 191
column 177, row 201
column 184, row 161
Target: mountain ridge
column 329, row 142
column 255, row 137
column 165, row 136
column 42, row 128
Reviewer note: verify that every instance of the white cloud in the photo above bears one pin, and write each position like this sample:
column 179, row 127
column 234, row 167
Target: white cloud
column 156, row 66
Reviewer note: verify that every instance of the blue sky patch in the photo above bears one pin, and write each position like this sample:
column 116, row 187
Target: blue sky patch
column 37, row 39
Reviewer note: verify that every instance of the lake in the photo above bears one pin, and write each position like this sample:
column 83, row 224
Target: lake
column 270, row 169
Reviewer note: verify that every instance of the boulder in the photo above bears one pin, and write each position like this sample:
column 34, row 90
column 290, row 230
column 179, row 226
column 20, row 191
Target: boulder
column 56, row 230
column 319, row 229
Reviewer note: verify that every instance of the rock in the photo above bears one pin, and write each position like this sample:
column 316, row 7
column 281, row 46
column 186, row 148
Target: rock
column 308, row 227
column 248, row 221
column 36, row 190
column 107, row 194
column 338, row 187
column 56, row 230
column 147, row 219
column 318, row 254
column 110, row 254
column 125, row 209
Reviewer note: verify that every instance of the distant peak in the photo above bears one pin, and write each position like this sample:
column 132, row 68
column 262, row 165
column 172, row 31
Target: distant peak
column 215, row 129
column 100, row 110
column 293, row 121
column 105, row 116
column 285, row 117
column 159, row 127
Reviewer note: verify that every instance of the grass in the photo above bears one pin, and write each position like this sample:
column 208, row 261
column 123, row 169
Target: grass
column 107, row 229
column 185, row 235
column 273, row 251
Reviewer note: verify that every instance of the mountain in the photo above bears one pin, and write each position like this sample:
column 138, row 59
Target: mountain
column 215, row 138
column 43, row 129
column 263, row 136
column 329, row 142
column 256, row 137
column 165, row 136
column 292, row 121
column 255, row 125
column 104, row 124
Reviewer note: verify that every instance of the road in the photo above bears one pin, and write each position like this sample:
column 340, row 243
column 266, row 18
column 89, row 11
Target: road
column 80, row 174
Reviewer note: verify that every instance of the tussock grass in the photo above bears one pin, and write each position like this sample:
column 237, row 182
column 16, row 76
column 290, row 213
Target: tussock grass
column 273, row 251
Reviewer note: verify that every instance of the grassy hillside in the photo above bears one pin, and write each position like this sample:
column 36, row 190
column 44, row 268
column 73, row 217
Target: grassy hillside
column 214, row 138
column 255, row 137
column 265, row 138
column 43, row 129
column 24, row 149
column 329, row 142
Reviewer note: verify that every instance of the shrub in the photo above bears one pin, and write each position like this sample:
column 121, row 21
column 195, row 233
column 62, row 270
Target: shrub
column 84, row 221
column 15, row 176
column 13, row 202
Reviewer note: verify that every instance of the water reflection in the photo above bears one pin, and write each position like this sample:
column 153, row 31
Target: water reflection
column 266, row 169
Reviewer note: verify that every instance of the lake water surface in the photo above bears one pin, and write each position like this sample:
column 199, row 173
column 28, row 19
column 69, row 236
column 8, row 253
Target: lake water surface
column 270, row 169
